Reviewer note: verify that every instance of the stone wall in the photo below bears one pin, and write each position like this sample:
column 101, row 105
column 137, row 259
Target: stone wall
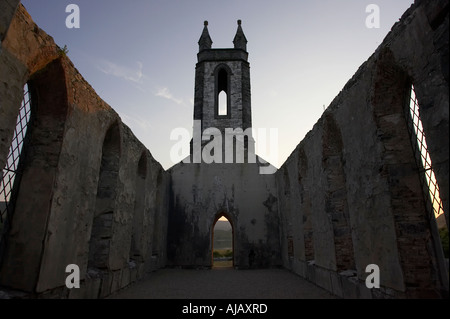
column 234, row 117
column 8, row 8
column 90, row 193
column 201, row 193
column 348, row 196
column 350, row 193
column 206, row 82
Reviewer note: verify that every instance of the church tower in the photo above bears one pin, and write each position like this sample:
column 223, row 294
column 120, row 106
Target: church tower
column 210, row 183
column 222, row 86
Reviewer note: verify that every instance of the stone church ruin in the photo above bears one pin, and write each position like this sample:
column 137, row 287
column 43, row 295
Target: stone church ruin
column 361, row 188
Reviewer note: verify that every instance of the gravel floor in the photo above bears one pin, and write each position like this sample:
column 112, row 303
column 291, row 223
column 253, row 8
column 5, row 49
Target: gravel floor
column 225, row 283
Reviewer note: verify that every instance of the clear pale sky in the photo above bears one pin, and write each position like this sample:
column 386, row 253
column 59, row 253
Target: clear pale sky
column 140, row 57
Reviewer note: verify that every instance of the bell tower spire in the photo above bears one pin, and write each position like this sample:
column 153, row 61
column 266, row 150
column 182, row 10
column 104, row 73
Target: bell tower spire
column 222, row 88
column 240, row 41
column 205, row 41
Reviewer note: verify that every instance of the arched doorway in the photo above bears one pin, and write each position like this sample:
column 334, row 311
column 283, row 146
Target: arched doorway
column 222, row 243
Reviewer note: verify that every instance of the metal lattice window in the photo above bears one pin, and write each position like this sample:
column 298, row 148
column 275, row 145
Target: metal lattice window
column 428, row 178
column 12, row 163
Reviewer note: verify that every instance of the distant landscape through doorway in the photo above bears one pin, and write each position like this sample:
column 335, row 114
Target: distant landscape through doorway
column 222, row 244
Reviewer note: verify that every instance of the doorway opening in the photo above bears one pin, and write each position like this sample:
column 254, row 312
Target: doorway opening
column 222, row 243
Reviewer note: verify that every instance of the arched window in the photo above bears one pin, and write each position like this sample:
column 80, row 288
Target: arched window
column 429, row 183
column 222, row 91
column 9, row 180
column 420, row 147
column 137, row 233
column 157, row 241
column 99, row 245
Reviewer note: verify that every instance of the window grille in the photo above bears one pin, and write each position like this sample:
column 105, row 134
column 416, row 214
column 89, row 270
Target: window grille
column 11, row 168
column 428, row 178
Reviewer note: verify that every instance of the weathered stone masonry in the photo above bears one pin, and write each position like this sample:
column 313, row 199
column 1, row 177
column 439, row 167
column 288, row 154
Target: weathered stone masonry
column 358, row 190
column 202, row 193
column 348, row 196
column 90, row 194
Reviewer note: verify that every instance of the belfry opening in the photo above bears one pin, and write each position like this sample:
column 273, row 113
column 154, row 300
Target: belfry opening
column 222, row 243
column 222, row 88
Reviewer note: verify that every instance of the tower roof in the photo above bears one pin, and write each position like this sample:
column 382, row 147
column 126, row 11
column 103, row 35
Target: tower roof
column 205, row 41
column 240, row 41
column 239, row 52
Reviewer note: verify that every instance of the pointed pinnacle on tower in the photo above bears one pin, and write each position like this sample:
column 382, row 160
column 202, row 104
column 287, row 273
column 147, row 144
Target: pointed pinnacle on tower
column 240, row 41
column 205, row 41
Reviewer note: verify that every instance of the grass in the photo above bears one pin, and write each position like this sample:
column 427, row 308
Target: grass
column 218, row 253
column 63, row 51
column 226, row 254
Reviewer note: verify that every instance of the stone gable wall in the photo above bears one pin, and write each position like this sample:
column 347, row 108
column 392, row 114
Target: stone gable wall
column 201, row 193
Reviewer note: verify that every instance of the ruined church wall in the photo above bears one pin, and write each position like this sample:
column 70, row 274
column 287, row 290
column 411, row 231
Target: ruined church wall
column 352, row 190
column 201, row 193
column 7, row 64
column 8, row 8
column 80, row 162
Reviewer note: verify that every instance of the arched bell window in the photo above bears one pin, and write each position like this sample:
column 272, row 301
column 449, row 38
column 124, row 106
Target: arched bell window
column 222, row 98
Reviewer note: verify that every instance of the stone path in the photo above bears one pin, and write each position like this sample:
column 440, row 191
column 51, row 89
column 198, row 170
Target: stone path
column 223, row 283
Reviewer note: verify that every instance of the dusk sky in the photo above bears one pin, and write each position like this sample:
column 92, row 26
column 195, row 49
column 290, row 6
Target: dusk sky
column 140, row 56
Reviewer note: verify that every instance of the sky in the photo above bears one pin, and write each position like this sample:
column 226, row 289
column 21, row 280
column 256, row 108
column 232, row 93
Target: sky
column 140, row 57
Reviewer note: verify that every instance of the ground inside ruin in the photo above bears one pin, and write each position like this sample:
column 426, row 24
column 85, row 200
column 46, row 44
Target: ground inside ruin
column 223, row 283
